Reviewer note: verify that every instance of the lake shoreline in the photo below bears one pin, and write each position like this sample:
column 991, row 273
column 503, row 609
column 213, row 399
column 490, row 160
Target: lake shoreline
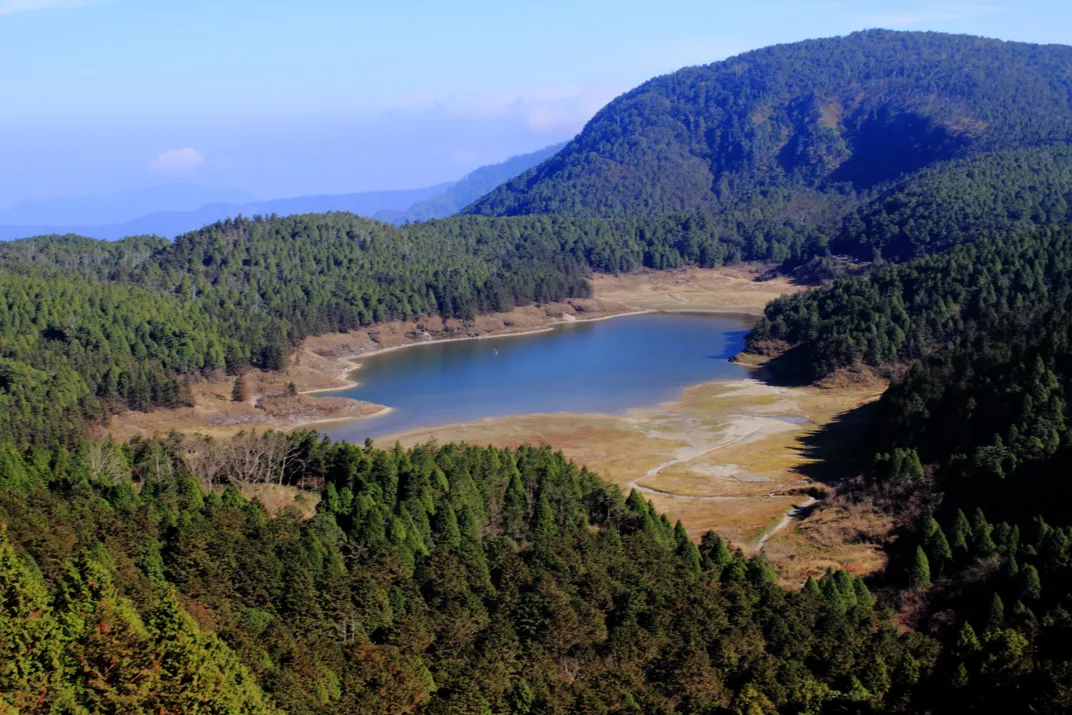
column 328, row 364
column 355, row 362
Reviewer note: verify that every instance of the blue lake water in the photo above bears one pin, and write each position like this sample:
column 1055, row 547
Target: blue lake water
column 607, row 366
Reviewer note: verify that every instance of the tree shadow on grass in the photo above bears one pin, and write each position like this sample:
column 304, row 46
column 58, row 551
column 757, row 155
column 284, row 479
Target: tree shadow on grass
column 790, row 369
column 840, row 449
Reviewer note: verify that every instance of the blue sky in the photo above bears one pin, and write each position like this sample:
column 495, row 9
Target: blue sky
column 288, row 98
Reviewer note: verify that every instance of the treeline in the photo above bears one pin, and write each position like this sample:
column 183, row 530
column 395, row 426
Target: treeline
column 446, row 579
column 904, row 312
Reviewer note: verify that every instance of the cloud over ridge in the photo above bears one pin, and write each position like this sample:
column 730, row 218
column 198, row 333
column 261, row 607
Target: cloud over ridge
column 175, row 161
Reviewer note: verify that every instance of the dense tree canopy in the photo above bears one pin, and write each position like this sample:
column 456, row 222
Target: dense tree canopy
column 903, row 312
column 439, row 580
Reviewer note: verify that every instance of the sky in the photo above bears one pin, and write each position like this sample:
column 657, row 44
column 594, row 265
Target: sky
column 286, row 98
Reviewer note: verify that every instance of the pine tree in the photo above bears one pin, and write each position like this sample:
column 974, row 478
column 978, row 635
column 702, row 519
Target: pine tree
column 960, row 676
column 447, row 533
column 863, row 595
column 685, row 549
column 845, row 586
column 984, row 544
column 831, row 592
column 515, row 505
column 759, row 571
column 966, row 643
column 919, row 576
column 929, row 527
column 1023, row 616
column 1011, row 568
column 714, row 551
column 962, row 534
column 913, row 468
column 543, row 518
column 995, row 614
column 1030, row 585
column 240, row 390
column 938, row 552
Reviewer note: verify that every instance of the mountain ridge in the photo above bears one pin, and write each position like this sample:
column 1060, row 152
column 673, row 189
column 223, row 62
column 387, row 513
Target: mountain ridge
column 849, row 113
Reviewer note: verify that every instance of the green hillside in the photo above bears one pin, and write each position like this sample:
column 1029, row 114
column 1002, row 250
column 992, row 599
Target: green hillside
column 842, row 116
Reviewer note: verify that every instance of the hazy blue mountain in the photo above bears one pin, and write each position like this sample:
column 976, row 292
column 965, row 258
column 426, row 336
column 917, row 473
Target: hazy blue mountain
column 173, row 223
column 471, row 187
column 119, row 207
column 367, row 204
column 64, row 216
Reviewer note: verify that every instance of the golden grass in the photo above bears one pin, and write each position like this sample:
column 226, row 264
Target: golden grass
column 836, row 536
column 718, row 458
column 728, row 289
column 277, row 497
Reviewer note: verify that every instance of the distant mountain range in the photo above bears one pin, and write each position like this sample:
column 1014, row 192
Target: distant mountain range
column 469, row 189
column 120, row 207
column 180, row 208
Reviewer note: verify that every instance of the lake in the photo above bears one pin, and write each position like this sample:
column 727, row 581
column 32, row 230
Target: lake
column 606, row 366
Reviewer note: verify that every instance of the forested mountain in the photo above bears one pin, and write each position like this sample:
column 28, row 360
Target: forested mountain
column 987, row 196
column 826, row 123
column 968, row 447
column 468, row 189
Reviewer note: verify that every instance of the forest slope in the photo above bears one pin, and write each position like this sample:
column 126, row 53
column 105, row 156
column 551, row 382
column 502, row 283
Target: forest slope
column 802, row 133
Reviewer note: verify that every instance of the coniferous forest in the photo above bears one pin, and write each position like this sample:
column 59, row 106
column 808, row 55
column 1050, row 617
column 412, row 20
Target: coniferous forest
column 140, row 577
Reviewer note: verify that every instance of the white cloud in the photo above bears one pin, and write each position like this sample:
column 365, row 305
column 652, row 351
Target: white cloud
column 10, row 7
column 934, row 12
column 550, row 110
column 174, row 161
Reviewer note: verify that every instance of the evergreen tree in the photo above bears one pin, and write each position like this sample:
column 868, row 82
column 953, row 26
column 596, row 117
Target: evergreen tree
column 447, row 533
column 543, row 518
column 983, row 543
column 962, row 535
column 716, row 555
column 240, row 390
column 996, row 614
column 919, row 575
column 1030, row 585
column 938, row 552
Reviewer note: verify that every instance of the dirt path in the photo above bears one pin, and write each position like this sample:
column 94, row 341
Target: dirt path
column 790, row 515
column 654, row 471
